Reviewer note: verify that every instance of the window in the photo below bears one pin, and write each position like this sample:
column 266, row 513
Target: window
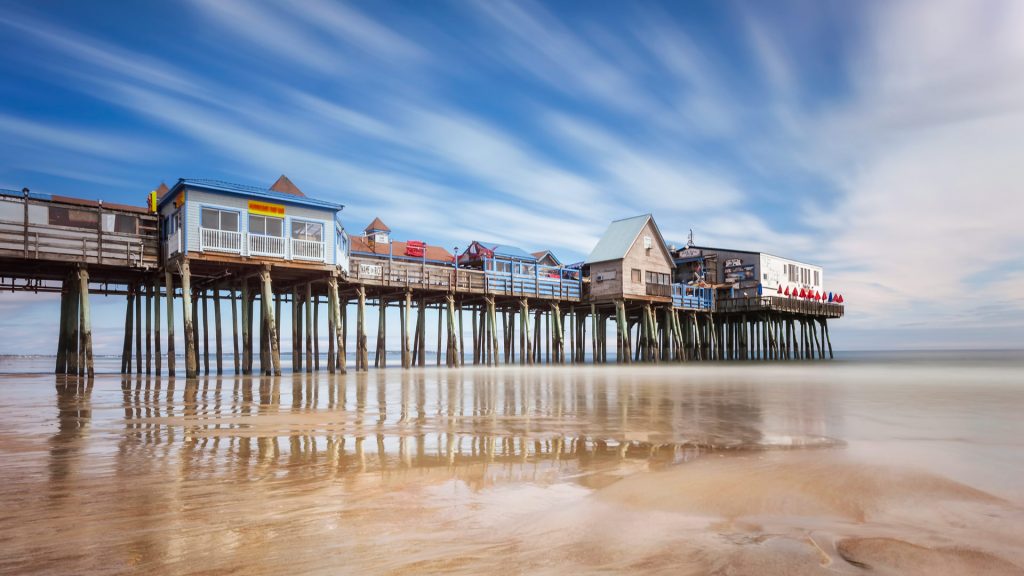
column 657, row 278
column 214, row 219
column 310, row 231
column 636, row 276
column 61, row 216
column 648, row 243
column 125, row 224
column 266, row 225
column 817, row 277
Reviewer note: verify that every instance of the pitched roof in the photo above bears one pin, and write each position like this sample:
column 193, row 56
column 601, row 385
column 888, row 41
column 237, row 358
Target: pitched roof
column 377, row 224
column 244, row 190
column 505, row 250
column 540, row 256
column 396, row 248
column 162, row 190
column 619, row 238
column 285, row 186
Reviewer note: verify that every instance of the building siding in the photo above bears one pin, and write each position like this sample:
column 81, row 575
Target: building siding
column 657, row 259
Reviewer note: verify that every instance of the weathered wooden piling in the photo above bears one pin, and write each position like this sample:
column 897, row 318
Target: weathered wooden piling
column 309, row 326
column 126, row 348
column 187, row 310
column 296, row 331
column 149, row 328
column 268, row 310
column 380, row 352
column 246, row 342
column 217, row 331
column 362, row 354
column 71, row 327
column 169, row 295
column 316, row 333
column 86, row 323
column 234, row 331
column 338, row 335
column 406, row 313
column 62, row 335
column 206, row 333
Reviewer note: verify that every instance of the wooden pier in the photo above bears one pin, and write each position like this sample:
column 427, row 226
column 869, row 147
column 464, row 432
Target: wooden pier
column 516, row 315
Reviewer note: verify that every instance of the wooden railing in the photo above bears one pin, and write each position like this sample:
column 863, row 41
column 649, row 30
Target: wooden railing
column 779, row 304
column 220, row 240
column 663, row 290
column 307, row 250
column 693, row 297
column 71, row 244
column 421, row 275
column 261, row 245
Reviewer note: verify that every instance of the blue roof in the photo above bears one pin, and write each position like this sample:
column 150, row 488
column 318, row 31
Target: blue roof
column 506, row 251
column 244, row 190
column 20, row 194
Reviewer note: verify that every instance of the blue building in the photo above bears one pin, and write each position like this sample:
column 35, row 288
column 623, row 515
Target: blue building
column 216, row 220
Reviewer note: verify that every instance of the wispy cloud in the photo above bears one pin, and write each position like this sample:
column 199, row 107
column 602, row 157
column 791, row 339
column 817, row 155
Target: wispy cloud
column 891, row 157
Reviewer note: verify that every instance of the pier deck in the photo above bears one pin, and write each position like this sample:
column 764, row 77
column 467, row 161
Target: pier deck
column 527, row 314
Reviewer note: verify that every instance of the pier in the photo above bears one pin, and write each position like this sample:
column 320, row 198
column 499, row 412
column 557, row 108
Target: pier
column 247, row 252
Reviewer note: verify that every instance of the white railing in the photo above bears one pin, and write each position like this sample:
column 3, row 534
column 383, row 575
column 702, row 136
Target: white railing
column 260, row 245
column 220, row 240
column 174, row 243
column 307, row 250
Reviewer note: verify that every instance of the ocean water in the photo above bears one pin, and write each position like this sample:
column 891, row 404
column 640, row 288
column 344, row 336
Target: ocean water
column 904, row 463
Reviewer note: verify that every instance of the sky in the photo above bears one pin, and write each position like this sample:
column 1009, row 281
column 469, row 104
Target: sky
column 881, row 140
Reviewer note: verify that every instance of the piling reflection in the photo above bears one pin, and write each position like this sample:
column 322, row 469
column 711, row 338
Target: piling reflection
column 479, row 470
column 483, row 423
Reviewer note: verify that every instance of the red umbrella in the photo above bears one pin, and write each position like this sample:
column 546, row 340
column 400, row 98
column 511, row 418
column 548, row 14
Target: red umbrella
column 787, row 290
column 780, row 289
column 803, row 293
column 817, row 295
column 839, row 298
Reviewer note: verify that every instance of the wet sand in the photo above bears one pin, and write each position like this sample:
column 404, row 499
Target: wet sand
column 865, row 467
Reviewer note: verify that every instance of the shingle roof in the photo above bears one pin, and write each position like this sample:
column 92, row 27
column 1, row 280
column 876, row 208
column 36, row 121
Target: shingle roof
column 285, row 186
column 397, row 249
column 245, row 190
column 541, row 254
column 377, row 224
column 619, row 238
column 507, row 251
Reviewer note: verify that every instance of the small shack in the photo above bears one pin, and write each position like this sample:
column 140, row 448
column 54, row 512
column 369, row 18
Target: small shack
column 631, row 261
column 217, row 220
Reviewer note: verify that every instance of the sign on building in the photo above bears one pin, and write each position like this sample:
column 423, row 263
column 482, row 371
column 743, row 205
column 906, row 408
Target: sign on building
column 371, row 271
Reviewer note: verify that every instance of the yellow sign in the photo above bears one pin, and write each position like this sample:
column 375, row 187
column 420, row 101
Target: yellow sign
column 151, row 201
column 265, row 208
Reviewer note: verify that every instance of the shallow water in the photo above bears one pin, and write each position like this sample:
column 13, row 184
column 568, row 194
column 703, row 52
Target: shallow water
column 875, row 465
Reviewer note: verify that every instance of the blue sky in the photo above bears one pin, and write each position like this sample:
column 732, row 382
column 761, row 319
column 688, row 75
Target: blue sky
column 882, row 140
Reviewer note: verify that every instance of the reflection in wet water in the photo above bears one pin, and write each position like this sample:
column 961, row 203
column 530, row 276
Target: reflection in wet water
column 464, row 470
